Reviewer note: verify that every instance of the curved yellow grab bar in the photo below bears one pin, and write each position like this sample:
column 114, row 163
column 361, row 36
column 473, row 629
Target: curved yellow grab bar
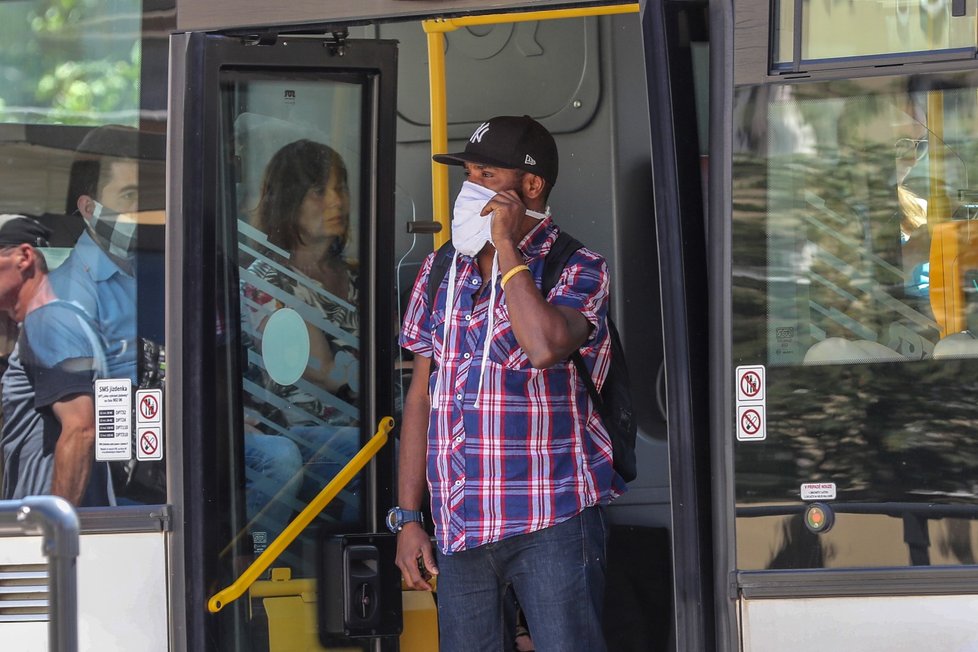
column 300, row 522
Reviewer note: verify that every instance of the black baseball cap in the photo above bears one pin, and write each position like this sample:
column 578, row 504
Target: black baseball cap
column 509, row 141
column 18, row 229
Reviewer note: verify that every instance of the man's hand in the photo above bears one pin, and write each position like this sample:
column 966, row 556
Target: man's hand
column 415, row 557
column 508, row 222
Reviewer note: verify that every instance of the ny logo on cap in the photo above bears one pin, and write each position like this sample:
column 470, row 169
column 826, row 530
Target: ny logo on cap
column 479, row 133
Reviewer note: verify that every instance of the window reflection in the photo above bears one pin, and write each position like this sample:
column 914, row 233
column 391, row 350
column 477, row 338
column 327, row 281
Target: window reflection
column 836, row 29
column 71, row 62
column 86, row 326
column 297, row 203
column 854, row 258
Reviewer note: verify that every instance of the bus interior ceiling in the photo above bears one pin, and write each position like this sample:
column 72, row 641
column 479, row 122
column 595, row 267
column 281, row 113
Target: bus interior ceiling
column 593, row 99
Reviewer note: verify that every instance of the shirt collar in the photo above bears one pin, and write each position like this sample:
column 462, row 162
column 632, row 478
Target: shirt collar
column 539, row 240
column 96, row 262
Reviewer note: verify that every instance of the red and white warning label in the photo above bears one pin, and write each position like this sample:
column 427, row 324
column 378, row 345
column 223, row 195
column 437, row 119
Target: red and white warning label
column 750, row 383
column 149, row 443
column 750, row 423
column 818, row 491
column 149, row 424
column 751, row 402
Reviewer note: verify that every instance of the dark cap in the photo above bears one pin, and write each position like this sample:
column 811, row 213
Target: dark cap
column 508, row 141
column 17, row 230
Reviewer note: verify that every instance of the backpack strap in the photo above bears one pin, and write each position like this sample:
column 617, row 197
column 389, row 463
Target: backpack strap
column 553, row 266
column 439, row 267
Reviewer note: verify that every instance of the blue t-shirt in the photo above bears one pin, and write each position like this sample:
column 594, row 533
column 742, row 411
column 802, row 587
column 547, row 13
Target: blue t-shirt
column 57, row 356
column 92, row 280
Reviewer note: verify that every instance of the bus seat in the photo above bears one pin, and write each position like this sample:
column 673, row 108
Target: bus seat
column 957, row 345
column 838, row 350
column 953, row 254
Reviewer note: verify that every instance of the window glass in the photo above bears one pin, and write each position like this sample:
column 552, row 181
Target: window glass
column 296, row 152
column 839, row 29
column 82, row 138
column 853, row 291
column 71, row 61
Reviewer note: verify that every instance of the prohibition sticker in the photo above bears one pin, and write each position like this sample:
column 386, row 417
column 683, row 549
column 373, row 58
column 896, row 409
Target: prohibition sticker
column 750, row 423
column 149, row 406
column 149, row 444
column 750, row 383
column 113, row 419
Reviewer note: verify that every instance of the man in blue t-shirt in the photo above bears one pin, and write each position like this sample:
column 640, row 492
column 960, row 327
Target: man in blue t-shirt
column 48, row 434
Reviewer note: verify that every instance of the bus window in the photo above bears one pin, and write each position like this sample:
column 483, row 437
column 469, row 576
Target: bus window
column 834, row 32
column 295, row 147
column 84, row 152
column 854, row 268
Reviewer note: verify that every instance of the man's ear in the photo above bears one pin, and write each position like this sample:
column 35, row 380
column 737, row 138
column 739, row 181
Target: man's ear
column 25, row 256
column 533, row 186
column 86, row 206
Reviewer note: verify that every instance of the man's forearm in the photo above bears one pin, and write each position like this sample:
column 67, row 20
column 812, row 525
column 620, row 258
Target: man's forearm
column 73, row 463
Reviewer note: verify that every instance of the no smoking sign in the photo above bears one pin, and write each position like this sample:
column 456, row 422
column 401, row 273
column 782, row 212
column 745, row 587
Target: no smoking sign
column 751, row 423
column 149, row 444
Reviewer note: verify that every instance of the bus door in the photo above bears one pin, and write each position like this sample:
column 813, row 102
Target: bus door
column 281, row 191
column 847, row 323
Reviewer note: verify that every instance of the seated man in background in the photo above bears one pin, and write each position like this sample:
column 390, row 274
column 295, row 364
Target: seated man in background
column 48, row 435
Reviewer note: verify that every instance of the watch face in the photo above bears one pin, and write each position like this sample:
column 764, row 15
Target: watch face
column 394, row 519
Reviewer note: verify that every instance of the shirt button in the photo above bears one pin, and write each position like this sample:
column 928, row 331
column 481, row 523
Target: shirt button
column 475, row 281
column 458, row 439
column 458, row 483
column 458, row 396
column 468, row 318
column 466, row 355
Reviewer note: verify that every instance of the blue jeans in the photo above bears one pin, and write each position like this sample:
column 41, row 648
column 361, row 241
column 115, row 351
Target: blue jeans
column 273, row 466
column 557, row 574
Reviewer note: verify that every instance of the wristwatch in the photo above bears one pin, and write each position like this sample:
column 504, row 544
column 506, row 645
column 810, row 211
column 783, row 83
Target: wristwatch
column 397, row 518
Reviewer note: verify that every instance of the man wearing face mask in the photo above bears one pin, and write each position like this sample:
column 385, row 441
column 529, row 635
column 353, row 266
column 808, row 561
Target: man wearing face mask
column 497, row 419
column 98, row 276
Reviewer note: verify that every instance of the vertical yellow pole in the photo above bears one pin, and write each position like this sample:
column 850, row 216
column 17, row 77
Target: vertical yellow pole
column 439, row 134
column 938, row 205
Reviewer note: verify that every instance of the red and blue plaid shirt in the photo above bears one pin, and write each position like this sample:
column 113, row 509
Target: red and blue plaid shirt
column 534, row 452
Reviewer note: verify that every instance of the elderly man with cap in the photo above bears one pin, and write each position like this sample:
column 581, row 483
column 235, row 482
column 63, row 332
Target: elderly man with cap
column 518, row 463
column 48, row 434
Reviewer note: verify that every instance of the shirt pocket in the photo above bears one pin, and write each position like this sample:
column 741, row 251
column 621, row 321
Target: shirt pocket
column 504, row 350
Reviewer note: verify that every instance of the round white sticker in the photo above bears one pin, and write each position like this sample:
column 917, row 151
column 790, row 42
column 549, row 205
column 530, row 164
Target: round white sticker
column 285, row 346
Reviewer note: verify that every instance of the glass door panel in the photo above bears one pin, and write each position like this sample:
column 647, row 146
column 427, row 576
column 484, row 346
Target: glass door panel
column 855, row 263
column 283, row 200
column 296, row 147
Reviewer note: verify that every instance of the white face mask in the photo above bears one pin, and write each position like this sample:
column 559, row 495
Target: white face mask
column 470, row 230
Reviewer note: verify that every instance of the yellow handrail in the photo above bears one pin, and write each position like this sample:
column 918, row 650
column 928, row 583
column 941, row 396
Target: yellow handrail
column 436, row 28
column 299, row 523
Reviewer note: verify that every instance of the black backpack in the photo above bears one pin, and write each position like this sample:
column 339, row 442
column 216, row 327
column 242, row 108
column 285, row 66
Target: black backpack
column 614, row 403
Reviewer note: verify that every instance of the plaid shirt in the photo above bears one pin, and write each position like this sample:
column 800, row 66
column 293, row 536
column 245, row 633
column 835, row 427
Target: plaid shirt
column 534, row 452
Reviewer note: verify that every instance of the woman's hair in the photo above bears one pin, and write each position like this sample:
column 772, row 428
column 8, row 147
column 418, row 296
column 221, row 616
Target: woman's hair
column 293, row 170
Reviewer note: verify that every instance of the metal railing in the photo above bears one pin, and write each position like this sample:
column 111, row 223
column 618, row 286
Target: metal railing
column 55, row 520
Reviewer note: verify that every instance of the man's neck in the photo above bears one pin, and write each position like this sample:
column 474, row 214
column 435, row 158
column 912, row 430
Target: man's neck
column 35, row 293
